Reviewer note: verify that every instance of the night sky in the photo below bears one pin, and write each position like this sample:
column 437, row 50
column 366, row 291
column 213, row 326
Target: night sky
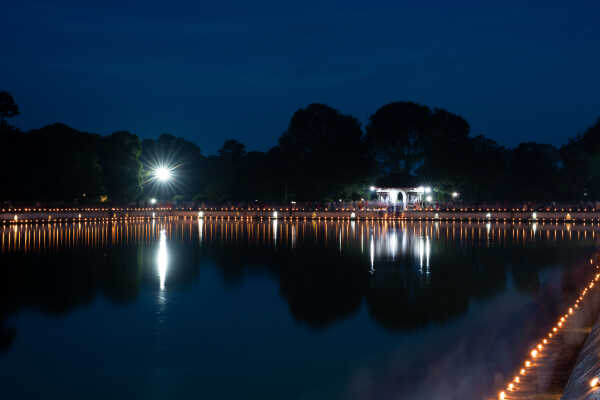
column 209, row 71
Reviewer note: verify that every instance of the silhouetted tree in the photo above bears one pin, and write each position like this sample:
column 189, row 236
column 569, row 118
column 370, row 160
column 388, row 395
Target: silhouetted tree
column 410, row 140
column 534, row 171
column 232, row 150
column 54, row 163
column 581, row 158
column 396, row 134
column 324, row 154
column 8, row 107
column 486, row 176
column 122, row 169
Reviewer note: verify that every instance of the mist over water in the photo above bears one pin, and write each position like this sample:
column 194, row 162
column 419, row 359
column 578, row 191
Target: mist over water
column 279, row 309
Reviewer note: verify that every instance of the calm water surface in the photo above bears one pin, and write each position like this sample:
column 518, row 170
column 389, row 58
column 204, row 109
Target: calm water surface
column 273, row 310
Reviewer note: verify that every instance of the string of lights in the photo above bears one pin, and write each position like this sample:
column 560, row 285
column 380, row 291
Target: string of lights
column 513, row 387
column 11, row 216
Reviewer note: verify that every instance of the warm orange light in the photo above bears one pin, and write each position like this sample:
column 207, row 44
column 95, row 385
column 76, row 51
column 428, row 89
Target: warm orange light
column 534, row 353
column 594, row 382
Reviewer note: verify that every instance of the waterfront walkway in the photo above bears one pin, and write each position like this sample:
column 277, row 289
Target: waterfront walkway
column 21, row 215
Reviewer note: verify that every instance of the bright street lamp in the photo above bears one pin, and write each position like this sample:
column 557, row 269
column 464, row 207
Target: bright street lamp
column 152, row 201
column 162, row 174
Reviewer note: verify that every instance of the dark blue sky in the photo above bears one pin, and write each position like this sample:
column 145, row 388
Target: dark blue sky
column 209, row 71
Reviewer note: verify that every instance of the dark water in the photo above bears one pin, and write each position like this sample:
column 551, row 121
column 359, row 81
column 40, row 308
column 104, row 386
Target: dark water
column 273, row 310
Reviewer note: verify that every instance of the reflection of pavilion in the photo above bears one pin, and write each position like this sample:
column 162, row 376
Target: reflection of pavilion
column 410, row 196
column 389, row 243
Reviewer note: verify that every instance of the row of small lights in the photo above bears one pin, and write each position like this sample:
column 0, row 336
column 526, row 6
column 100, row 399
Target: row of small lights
column 539, row 348
column 351, row 216
column 12, row 210
column 228, row 218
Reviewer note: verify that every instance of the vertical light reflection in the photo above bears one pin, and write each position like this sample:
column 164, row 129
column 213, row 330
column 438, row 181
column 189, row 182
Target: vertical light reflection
column 393, row 244
column 200, row 229
column 361, row 240
column 372, row 254
column 162, row 259
column 427, row 252
column 421, row 252
column 275, row 231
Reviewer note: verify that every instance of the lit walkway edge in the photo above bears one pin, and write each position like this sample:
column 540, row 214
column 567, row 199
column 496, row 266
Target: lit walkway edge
column 587, row 367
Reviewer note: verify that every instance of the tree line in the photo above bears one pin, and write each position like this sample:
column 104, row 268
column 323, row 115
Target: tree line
column 323, row 155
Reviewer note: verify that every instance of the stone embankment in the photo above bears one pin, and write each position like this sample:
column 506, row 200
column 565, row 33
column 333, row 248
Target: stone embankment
column 584, row 382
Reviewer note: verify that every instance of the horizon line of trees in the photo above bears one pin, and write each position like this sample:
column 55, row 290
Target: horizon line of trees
column 323, row 155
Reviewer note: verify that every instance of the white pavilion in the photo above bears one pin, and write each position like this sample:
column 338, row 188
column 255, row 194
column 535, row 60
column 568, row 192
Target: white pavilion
column 410, row 195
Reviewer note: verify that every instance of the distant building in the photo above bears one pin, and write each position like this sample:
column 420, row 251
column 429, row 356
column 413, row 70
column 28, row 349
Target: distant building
column 403, row 197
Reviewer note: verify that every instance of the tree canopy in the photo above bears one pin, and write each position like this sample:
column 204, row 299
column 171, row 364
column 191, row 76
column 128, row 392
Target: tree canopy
column 323, row 155
column 8, row 107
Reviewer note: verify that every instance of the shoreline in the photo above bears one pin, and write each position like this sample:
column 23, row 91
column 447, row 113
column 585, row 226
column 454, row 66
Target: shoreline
column 37, row 215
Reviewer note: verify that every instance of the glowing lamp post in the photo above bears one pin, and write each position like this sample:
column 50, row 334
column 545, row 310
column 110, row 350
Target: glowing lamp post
column 162, row 174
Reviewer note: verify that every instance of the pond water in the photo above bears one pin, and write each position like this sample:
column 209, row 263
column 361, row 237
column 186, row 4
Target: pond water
column 275, row 309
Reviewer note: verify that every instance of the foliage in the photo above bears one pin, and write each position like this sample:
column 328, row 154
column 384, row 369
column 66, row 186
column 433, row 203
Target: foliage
column 323, row 155
column 8, row 107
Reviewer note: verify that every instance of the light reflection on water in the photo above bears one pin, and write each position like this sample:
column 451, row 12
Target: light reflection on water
column 162, row 259
column 390, row 237
column 395, row 292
